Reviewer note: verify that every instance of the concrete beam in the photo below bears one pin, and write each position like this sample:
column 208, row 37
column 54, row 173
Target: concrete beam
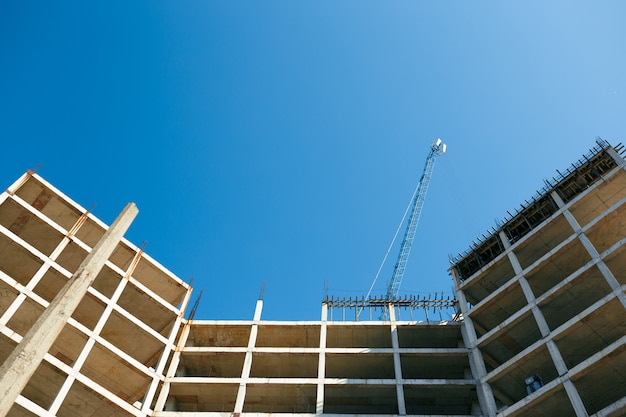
column 28, row 354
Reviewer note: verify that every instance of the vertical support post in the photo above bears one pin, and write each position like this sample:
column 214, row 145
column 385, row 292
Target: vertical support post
column 574, row 398
column 180, row 321
column 321, row 364
column 247, row 362
column 477, row 364
column 396, row 360
column 615, row 155
column 28, row 354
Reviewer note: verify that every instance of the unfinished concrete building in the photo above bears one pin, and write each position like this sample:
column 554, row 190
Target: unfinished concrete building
column 111, row 356
column 543, row 297
column 539, row 329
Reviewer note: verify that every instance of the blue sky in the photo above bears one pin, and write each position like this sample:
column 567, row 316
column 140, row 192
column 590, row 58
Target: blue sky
column 280, row 141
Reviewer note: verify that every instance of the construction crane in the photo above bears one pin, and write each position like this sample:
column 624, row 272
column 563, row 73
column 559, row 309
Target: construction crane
column 436, row 149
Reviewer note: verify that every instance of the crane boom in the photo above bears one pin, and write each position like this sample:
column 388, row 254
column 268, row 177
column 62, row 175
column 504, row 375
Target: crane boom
column 436, row 149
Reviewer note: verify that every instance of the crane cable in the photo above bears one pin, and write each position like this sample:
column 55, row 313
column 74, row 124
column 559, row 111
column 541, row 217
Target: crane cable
column 395, row 236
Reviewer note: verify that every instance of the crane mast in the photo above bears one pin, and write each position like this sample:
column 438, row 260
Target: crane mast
column 436, row 149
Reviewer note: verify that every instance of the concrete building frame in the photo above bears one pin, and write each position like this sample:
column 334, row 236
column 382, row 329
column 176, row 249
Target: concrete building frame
column 552, row 300
column 538, row 327
column 110, row 357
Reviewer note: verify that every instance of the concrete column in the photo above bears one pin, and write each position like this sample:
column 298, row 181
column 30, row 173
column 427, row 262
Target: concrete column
column 257, row 311
column 28, row 354
column 572, row 221
column 570, row 389
column 396, row 360
column 479, row 371
column 152, row 390
column 615, row 155
column 557, row 199
column 247, row 362
column 555, row 353
column 526, row 289
column 477, row 364
column 165, row 389
column 504, row 239
column 574, row 398
column 544, row 329
column 321, row 364
column 530, row 296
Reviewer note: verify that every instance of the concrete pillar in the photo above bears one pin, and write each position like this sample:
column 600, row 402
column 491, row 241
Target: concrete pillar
column 165, row 389
column 615, row 155
column 530, row 296
column 321, row 364
column 28, row 354
column 152, row 390
column 247, row 362
column 477, row 365
column 504, row 239
column 557, row 358
column 396, row 360
column 557, row 199
column 574, row 398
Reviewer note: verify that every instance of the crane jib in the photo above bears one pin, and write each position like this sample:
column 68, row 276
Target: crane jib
column 437, row 148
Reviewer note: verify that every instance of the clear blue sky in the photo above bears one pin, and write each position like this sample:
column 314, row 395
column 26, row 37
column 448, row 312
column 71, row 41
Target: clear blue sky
column 280, row 141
